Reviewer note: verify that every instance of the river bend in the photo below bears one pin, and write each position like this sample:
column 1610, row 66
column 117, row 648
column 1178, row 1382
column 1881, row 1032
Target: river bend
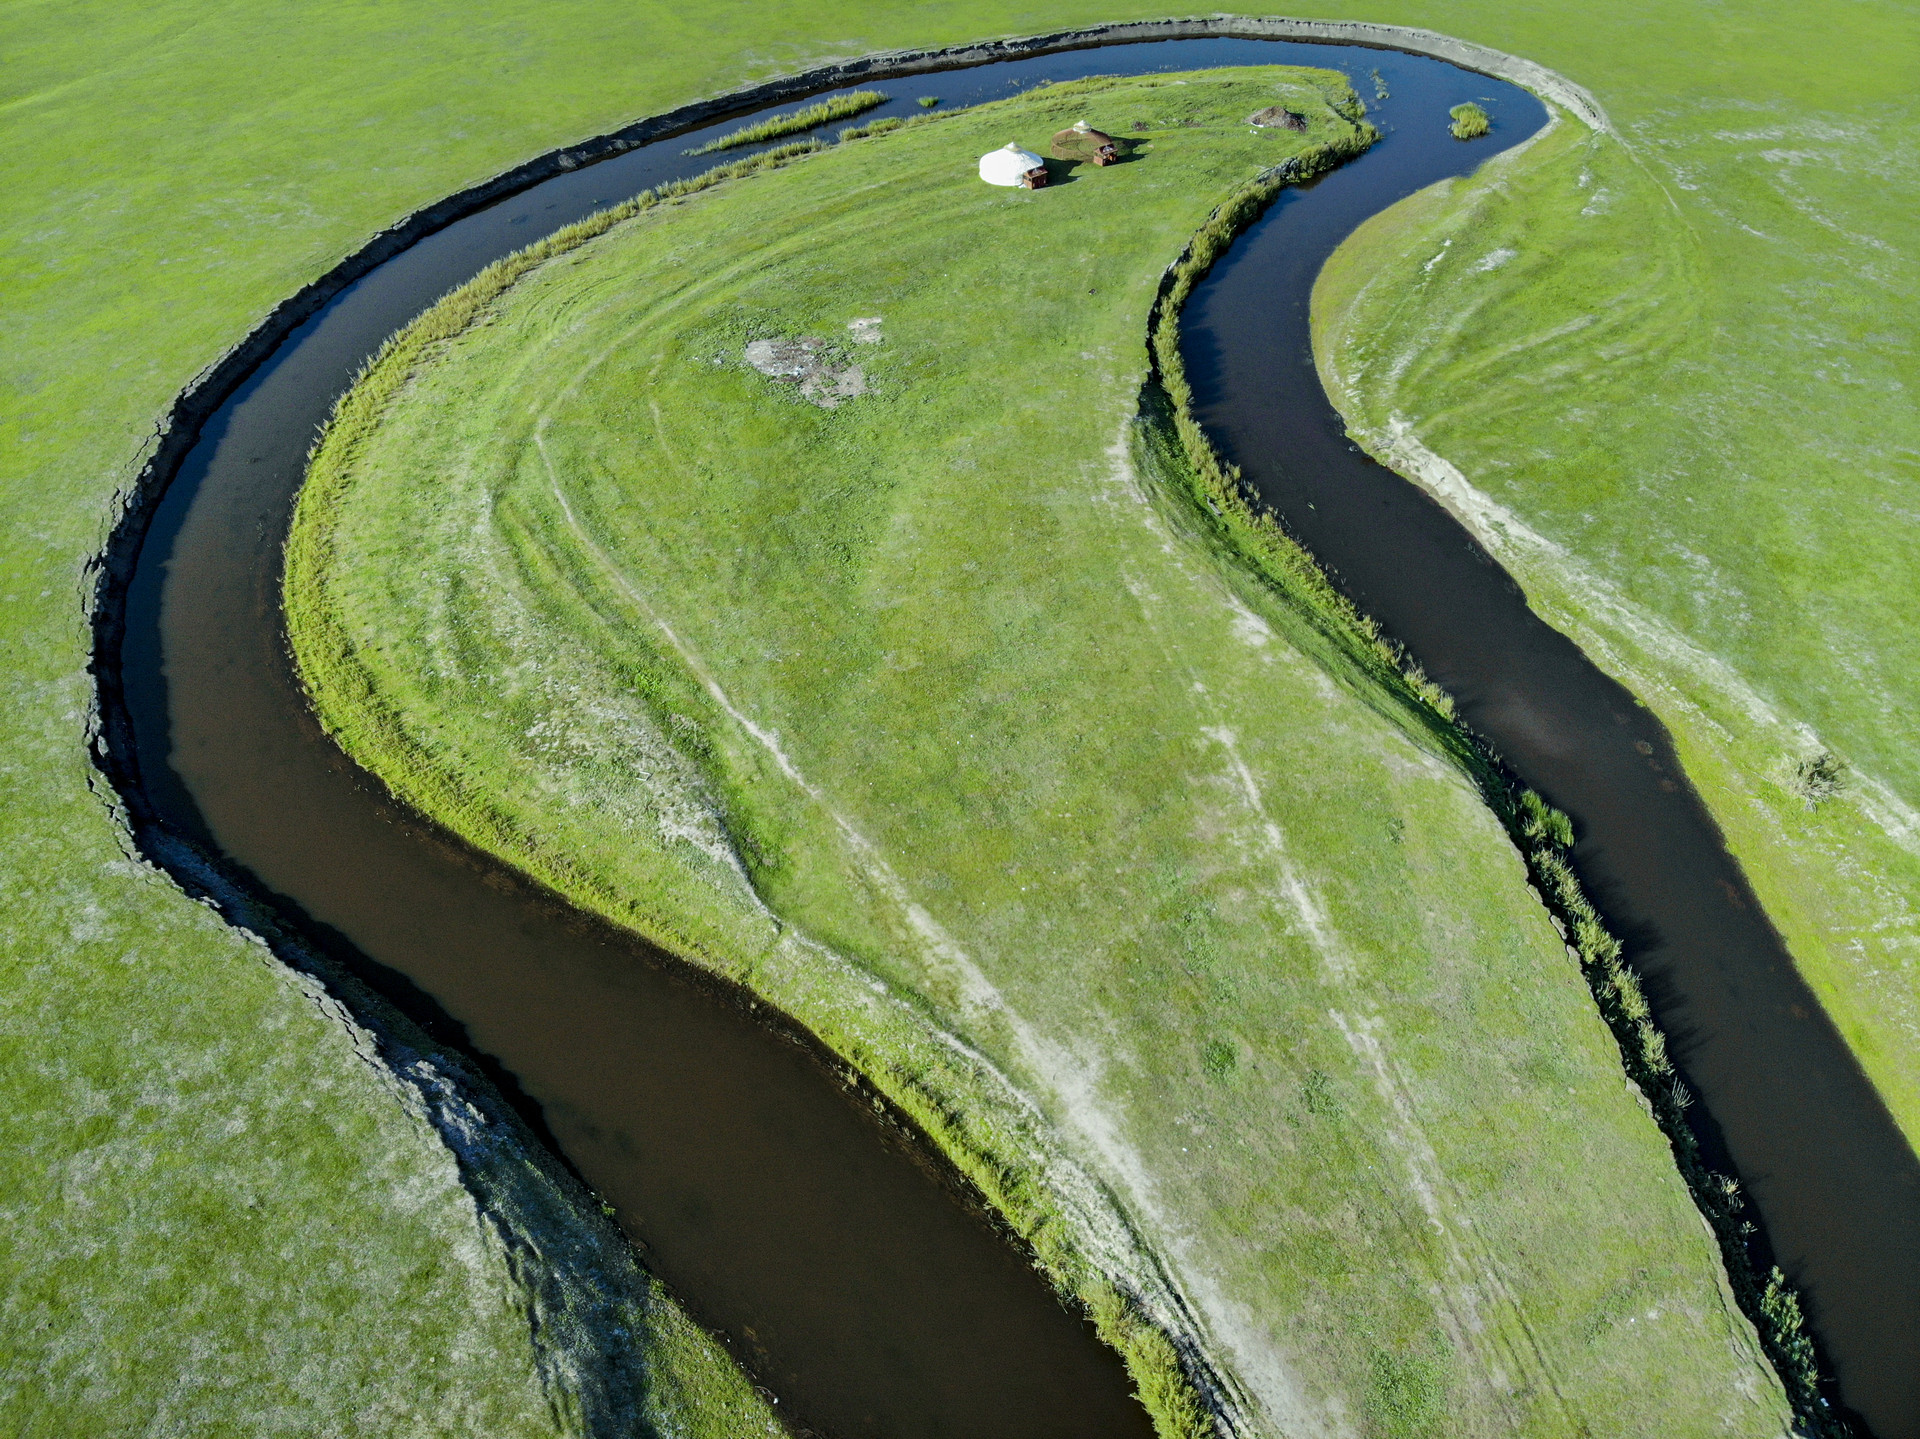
column 839, row 1263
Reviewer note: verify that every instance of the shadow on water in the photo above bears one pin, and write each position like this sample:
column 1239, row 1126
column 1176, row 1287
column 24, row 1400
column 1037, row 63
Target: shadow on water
column 1784, row 1106
column 825, row 1245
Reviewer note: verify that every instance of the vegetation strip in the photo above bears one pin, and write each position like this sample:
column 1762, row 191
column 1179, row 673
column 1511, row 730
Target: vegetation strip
column 1543, row 835
column 841, row 107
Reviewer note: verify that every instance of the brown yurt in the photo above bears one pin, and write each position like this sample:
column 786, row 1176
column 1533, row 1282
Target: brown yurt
column 1082, row 142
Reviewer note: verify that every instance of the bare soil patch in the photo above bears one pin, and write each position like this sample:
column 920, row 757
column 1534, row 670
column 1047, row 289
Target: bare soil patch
column 810, row 362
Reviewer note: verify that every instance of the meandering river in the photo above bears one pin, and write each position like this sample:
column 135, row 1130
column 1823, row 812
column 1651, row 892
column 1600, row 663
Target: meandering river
column 837, row 1260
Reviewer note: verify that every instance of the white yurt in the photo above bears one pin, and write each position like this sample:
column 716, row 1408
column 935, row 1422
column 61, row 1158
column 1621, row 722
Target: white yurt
column 1013, row 166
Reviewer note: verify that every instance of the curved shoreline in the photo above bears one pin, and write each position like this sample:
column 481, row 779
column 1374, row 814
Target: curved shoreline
column 437, row 1083
column 209, row 877
column 1542, row 836
column 178, row 430
column 109, row 741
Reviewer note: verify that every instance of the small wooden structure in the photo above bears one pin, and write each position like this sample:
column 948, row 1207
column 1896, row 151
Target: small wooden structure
column 1011, row 165
column 1082, row 142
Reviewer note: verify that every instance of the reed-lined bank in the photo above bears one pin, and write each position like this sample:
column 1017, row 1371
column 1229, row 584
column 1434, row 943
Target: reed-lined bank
column 840, row 107
column 1784, row 1102
column 1543, row 835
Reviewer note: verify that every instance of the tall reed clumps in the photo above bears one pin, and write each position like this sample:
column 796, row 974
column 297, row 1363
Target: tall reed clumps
column 1233, row 516
column 1222, row 497
column 1469, row 121
column 795, row 122
column 876, row 127
column 1545, row 838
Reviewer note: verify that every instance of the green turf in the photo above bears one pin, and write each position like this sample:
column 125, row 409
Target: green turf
column 173, row 171
column 1667, row 376
column 946, row 694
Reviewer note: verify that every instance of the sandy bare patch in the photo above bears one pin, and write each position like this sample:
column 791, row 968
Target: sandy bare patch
column 1278, row 116
column 809, row 363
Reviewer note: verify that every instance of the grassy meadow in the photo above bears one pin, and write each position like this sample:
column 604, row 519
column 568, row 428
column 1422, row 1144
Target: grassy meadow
column 190, row 1134
column 1666, row 375
column 936, row 709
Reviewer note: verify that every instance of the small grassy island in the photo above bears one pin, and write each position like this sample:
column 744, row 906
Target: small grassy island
column 789, row 569
column 1470, row 122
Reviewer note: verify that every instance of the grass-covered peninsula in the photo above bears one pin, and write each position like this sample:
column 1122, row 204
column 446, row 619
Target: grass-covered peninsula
column 787, row 570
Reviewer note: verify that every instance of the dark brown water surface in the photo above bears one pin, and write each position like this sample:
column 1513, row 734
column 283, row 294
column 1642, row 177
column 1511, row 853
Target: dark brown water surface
column 857, row 1285
column 1784, row 1106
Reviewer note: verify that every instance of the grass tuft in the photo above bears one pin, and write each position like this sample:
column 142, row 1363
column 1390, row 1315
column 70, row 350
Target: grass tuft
column 1469, row 121
column 1819, row 778
column 877, row 127
column 1542, row 823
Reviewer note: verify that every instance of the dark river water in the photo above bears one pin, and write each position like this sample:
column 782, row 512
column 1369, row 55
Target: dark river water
column 839, row 1263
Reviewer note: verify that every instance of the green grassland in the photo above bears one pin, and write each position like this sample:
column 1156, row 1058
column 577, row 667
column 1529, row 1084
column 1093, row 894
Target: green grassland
column 1667, row 376
column 214, row 1216
column 943, row 718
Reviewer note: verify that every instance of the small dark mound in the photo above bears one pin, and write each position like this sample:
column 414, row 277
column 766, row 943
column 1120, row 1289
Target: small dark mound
column 1082, row 142
column 1278, row 115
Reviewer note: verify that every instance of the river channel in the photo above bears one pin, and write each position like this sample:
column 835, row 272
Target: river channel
column 1786, row 1107
column 835, row 1257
